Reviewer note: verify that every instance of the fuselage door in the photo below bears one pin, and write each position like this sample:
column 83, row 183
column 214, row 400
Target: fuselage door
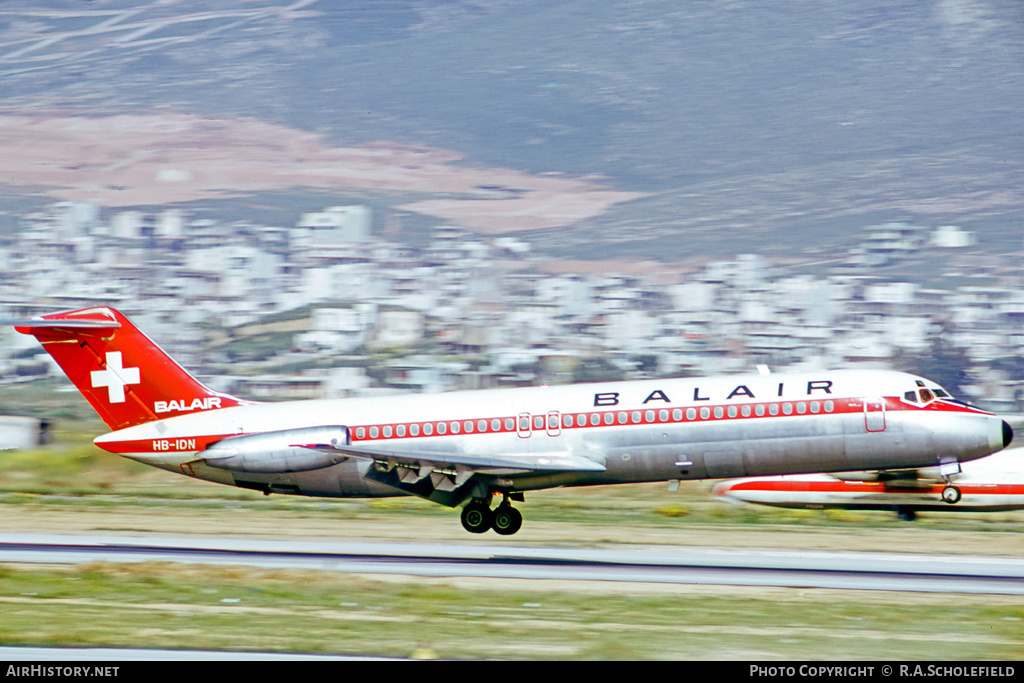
column 524, row 426
column 874, row 414
column 554, row 424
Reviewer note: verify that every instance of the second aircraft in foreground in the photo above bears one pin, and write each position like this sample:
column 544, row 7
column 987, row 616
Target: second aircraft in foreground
column 991, row 484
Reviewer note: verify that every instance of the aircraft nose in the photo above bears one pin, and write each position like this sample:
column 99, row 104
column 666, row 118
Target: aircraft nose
column 723, row 490
column 1007, row 433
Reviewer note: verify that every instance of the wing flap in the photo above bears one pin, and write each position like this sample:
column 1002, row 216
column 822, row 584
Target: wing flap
column 547, row 463
column 451, row 478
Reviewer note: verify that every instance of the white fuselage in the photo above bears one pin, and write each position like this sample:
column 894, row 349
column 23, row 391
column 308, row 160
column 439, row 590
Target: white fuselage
column 652, row 430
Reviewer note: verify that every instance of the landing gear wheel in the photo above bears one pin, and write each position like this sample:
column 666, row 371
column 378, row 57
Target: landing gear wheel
column 507, row 520
column 476, row 518
column 951, row 494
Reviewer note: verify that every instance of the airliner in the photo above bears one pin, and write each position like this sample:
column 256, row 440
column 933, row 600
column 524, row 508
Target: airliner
column 467, row 448
column 991, row 484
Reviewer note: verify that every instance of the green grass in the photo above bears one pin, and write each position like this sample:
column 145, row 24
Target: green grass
column 227, row 608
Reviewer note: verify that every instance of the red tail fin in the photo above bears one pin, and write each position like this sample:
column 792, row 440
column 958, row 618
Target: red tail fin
column 125, row 376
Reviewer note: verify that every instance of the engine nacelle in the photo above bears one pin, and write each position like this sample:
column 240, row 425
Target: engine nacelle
column 288, row 450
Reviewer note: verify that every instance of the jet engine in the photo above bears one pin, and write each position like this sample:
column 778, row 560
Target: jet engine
column 288, row 450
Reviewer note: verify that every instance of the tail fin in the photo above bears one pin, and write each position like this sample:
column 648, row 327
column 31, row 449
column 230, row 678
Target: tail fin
column 126, row 377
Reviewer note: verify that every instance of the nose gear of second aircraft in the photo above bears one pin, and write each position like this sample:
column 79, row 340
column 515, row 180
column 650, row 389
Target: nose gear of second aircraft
column 478, row 518
column 951, row 494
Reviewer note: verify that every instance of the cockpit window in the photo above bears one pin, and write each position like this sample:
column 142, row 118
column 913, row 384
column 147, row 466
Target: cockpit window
column 924, row 394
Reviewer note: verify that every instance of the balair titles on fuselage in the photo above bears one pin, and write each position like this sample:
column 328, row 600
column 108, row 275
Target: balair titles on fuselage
column 742, row 391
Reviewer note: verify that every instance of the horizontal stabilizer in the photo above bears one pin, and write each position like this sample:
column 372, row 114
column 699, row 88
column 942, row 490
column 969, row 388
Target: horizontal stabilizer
column 121, row 372
column 62, row 323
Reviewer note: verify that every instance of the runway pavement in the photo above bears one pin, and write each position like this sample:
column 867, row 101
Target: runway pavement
column 711, row 566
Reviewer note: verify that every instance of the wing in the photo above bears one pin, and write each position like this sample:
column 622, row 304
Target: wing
column 451, row 478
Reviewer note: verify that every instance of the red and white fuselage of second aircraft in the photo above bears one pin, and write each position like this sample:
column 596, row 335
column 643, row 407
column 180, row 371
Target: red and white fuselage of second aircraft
column 462, row 448
column 991, row 484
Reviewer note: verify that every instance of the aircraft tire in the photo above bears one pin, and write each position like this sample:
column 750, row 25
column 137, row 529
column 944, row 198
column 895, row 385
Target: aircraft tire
column 951, row 495
column 507, row 520
column 477, row 518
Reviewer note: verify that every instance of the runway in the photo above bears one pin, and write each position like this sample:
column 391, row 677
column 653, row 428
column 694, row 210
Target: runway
column 676, row 565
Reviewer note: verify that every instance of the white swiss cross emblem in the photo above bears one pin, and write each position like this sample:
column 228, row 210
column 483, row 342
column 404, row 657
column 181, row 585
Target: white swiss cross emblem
column 115, row 378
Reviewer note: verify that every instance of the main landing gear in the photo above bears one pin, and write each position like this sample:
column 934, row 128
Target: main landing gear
column 478, row 517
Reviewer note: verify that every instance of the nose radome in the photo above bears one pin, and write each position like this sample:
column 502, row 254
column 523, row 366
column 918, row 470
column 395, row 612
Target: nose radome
column 1000, row 434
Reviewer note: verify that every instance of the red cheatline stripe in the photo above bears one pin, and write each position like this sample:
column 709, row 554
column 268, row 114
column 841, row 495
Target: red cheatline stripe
column 554, row 422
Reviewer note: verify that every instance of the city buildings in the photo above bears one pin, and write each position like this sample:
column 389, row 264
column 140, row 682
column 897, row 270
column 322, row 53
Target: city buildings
column 325, row 308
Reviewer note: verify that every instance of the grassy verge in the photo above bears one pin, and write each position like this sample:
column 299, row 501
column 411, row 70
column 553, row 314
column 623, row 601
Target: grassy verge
column 226, row 608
